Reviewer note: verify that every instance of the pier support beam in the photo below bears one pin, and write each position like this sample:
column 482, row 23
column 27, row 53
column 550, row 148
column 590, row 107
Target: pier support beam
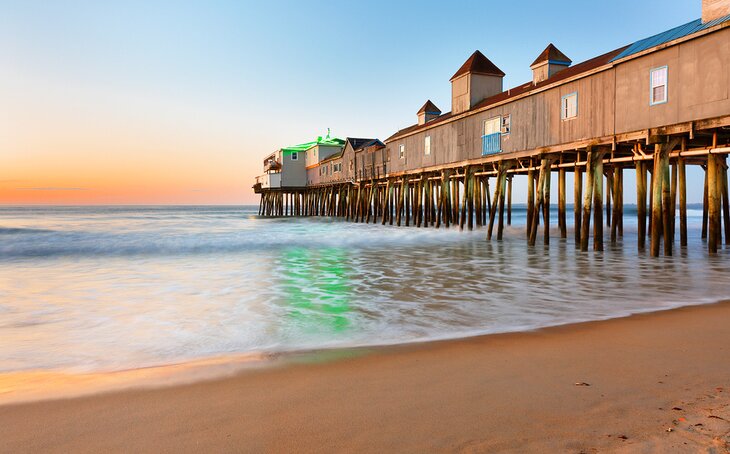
column 713, row 203
column 641, row 203
column 530, row 198
column 661, row 198
column 577, row 203
column 725, row 199
column 502, row 182
column 509, row 200
column 539, row 199
column 562, row 221
column 546, row 202
column 594, row 172
column 704, row 207
column 598, row 206
column 498, row 200
column 681, row 169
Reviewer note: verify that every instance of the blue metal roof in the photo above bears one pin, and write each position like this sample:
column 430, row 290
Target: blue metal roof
column 669, row 35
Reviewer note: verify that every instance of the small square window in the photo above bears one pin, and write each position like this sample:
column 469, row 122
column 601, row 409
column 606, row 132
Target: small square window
column 427, row 146
column 658, row 92
column 569, row 106
column 402, row 151
column 506, row 124
column 294, row 156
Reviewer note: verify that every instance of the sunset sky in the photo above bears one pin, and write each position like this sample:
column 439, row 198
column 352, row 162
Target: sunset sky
column 178, row 102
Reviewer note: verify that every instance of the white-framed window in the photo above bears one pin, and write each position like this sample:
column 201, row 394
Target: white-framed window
column 336, row 168
column 294, row 156
column 506, row 124
column 402, row 151
column 427, row 145
column 658, row 85
column 569, row 106
column 492, row 126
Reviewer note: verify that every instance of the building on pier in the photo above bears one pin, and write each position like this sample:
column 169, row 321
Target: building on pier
column 356, row 159
column 673, row 78
column 288, row 167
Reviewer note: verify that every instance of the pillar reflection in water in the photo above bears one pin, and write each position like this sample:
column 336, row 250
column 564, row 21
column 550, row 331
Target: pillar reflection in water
column 315, row 289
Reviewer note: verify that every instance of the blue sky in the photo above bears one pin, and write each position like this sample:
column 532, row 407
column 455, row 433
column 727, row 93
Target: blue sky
column 228, row 82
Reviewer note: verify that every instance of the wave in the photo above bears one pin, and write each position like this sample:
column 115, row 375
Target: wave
column 276, row 234
column 21, row 230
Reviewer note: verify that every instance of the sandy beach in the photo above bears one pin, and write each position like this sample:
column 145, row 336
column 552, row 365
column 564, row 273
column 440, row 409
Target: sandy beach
column 658, row 382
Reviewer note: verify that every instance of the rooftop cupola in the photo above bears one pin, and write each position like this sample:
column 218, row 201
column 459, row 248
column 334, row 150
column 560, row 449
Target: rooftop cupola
column 550, row 62
column 477, row 79
column 714, row 9
column 428, row 112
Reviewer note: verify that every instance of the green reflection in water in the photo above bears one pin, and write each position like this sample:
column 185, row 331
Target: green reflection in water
column 316, row 288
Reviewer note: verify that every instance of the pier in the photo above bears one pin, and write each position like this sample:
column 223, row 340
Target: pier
column 653, row 107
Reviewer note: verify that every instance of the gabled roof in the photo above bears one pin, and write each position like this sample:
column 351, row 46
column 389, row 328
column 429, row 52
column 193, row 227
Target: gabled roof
column 429, row 107
column 478, row 64
column 670, row 35
column 376, row 143
column 357, row 143
column 551, row 54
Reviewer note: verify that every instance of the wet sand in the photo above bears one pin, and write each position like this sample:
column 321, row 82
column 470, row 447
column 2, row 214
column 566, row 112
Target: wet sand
column 649, row 383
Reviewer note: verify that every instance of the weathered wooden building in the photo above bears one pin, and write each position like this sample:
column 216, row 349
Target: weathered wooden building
column 659, row 103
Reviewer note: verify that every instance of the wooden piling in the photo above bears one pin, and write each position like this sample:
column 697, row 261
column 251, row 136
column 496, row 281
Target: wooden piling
column 509, row 200
column 495, row 202
column 546, row 202
column 469, row 192
column 386, row 210
column 656, row 208
column 682, row 200
column 598, row 208
column 666, row 203
column 539, row 198
column 530, row 198
column 641, row 203
column 704, row 206
column 577, row 203
column 447, row 197
column 725, row 199
column 562, row 221
column 712, row 199
column 462, row 219
column 501, row 182
column 614, row 215
column 477, row 200
column 673, row 201
column 620, row 198
column 609, row 196
column 588, row 198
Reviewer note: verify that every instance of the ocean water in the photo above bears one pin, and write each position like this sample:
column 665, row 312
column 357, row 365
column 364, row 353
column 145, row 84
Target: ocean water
column 109, row 288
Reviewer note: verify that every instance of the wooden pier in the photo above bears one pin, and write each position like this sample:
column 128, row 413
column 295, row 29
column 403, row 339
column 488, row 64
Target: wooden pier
column 478, row 193
column 653, row 107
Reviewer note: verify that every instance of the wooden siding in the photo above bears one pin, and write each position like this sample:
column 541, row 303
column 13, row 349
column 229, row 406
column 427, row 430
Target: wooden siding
column 697, row 84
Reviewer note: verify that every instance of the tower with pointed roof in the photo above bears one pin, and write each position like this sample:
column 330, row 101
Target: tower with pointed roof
column 549, row 62
column 428, row 112
column 477, row 79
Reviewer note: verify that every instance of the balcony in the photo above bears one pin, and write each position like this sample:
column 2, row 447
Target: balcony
column 491, row 144
column 272, row 166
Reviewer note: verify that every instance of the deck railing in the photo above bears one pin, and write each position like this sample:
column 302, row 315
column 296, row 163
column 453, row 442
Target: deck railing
column 491, row 143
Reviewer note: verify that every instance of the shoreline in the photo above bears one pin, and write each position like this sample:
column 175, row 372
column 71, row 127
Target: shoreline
column 645, row 374
column 40, row 385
